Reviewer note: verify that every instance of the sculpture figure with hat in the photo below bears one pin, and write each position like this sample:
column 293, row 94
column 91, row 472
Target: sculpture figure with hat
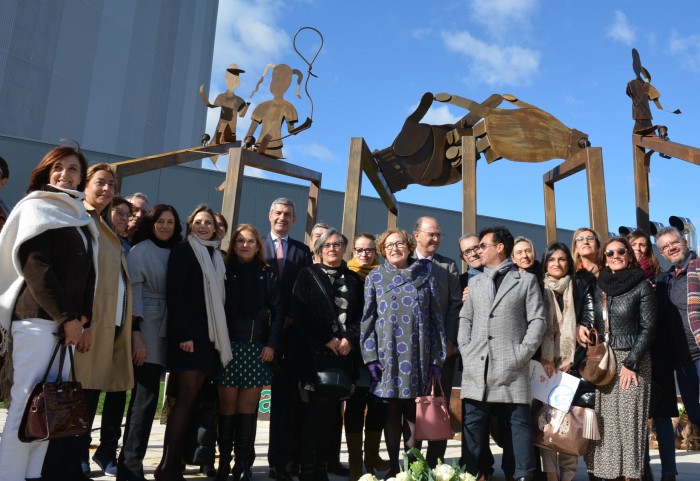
column 231, row 106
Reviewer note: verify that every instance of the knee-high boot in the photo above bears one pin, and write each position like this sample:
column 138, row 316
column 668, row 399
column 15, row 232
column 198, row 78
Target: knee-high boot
column 244, row 445
column 354, row 442
column 374, row 462
column 225, row 437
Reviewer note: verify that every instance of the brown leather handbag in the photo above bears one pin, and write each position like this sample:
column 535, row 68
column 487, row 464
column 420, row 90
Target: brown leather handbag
column 568, row 433
column 599, row 366
column 55, row 409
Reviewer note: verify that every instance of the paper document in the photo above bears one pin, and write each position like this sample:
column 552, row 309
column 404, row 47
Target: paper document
column 557, row 391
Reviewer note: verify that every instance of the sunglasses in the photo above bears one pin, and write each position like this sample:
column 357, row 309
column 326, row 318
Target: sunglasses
column 621, row 251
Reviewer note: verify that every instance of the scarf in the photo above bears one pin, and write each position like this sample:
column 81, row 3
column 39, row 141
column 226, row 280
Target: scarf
column 559, row 343
column 694, row 298
column 620, row 282
column 340, row 297
column 361, row 270
column 501, row 270
column 214, row 272
column 40, row 211
column 647, row 267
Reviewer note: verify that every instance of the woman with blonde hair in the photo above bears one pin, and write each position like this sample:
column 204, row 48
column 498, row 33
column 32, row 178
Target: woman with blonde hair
column 585, row 249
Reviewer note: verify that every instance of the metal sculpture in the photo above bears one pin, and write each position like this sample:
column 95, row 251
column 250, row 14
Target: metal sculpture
column 432, row 154
column 232, row 106
column 272, row 114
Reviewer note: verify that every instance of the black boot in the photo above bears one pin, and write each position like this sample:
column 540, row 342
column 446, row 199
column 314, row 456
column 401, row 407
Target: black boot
column 226, row 433
column 307, row 472
column 245, row 442
column 321, row 473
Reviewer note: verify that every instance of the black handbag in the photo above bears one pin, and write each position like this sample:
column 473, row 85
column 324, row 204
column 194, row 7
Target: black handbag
column 55, row 409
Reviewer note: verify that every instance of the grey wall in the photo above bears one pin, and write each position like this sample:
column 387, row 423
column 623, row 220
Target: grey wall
column 118, row 76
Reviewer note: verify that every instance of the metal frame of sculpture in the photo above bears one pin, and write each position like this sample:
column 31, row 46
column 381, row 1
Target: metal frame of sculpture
column 435, row 155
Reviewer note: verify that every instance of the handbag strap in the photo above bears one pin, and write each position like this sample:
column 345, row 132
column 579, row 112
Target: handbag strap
column 430, row 388
column 605, row 314
column 53, row 357
column 328, row 298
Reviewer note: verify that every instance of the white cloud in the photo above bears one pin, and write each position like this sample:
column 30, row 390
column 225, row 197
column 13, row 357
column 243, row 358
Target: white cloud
column 310, row 149
column 494, row 64
column 687, row 48
column 436, row 115
column 254, row 172
column 621, row 30
column 421, row 33
column 501, row 16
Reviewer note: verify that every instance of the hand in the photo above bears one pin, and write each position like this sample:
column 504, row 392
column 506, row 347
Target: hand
column 465, row 293
column 267, row 354
column 627, row 377
column 548, row 366
column 450, row 348
column 434, row 372
column 187, row 346
column 344, row 347
column 375, row 370
column 333, row 345
column 72, row 332
column 583, row 335
column 85, row 343
column 139, row 352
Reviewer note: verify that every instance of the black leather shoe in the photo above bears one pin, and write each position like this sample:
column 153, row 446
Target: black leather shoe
column 281, row 474
column 337, row 468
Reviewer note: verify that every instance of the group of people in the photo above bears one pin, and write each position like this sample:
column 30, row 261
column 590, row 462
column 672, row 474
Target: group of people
column 117, row 281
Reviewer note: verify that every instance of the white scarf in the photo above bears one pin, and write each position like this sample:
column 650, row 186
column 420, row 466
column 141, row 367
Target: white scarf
column 214, row 271
column 559, row 343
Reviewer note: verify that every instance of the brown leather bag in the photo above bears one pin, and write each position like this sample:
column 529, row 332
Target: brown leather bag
column 568, row 433
column 55, row 409
column 599, row 366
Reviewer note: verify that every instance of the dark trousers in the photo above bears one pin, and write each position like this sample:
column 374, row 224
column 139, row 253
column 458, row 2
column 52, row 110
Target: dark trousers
column 110, row 426
column 284, row 417
column 317, row 428
column 355, row 418
column 486, row 459
column 436, row 449
column 139, row 420
column 335, row 432
column 476, row 415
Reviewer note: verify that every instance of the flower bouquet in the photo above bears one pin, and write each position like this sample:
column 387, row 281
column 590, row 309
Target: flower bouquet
column 419, row 470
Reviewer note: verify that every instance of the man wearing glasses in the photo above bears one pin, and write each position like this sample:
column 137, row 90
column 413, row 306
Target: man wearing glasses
column 678, row 293
column 428, row 237
column 501, row 327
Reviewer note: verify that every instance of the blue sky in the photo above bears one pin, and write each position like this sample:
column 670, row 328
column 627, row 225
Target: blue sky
column 572, row 59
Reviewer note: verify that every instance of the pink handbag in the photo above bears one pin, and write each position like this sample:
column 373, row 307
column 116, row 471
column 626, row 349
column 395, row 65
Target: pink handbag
column 432, row 416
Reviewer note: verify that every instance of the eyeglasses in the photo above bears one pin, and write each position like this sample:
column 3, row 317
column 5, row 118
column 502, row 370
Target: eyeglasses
column 332, row 245
column 670, row 245
column 484, row 245
column 589, row 238
column 241, row 241
column 433, row 235
column 124, row 214
column 470, row 251
column 360, row 251
column 395, row 245
column 621, row 251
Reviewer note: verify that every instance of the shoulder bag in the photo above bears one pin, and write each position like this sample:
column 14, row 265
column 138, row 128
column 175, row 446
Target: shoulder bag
column 568, row 433
column 55, row 409
column 599, row 366
column 432, row 415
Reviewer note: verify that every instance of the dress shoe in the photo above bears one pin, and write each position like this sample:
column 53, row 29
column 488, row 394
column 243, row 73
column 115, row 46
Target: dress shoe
column 85, row 467
column 281, row 474
column 108, row 467
column 337, row 468
column 208, row 470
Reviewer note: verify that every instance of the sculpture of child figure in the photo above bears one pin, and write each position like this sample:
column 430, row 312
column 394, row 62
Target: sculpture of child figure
column 271, row 113
column 231, row 106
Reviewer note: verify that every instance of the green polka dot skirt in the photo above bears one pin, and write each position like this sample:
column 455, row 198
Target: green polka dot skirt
column 245, row 369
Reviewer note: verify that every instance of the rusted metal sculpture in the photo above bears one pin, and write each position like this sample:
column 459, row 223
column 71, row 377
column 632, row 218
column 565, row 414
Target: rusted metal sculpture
column 432, row 154
column 271, row 114
column 232, row 106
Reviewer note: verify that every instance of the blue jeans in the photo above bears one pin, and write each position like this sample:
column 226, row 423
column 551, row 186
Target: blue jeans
column 688, row 376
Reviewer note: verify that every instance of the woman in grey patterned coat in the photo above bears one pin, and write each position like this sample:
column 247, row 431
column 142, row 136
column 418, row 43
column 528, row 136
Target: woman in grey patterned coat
column 148, row 263
column 402, row 336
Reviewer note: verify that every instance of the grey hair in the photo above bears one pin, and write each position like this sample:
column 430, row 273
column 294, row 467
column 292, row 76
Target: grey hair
column 320, row 225
column 138, row 195
column 466, row 236
column 521, row 238
column 282, row 201
column 419, row 222
column 665, row 231
column 318, row 246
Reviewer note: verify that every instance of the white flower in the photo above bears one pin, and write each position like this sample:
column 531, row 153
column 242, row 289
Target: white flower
column 467, row 477
column 402, row 476
column 368, row 477
column 390, row 479
column 443, row 472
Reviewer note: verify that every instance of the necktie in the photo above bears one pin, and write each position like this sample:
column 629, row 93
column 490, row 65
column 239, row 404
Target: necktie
column 280, row 256
column 679, row 271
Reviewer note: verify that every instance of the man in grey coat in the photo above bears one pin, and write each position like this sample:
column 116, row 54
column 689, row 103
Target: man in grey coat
column 428, row 237
column 501, row 327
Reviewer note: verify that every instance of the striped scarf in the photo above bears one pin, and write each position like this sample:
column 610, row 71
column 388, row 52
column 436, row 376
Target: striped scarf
column 694, row 298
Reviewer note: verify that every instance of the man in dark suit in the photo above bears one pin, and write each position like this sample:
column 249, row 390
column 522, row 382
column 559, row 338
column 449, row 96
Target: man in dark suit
column 428, row 238
column 286, row 257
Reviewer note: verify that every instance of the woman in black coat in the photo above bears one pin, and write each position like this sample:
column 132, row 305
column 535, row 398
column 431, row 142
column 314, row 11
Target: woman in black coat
column 627, row 299
column 254, row 316
column 327, row 303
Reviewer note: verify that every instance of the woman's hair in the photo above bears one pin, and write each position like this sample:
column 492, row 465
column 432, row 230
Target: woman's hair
column 197, row 210
column 598, row 259
column 222, row 221
column 631, row 259
column 549, row 252
column 381, row 240
column 145, row 227
column 649, row 252
column 42, row 172
column 119, row 200
column 260, row 254
column 318, row 245
column 92, row 170
column 365, row 235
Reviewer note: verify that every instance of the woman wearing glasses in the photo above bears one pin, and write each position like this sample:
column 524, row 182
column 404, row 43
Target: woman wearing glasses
column 585, row 248
column 402, row 337
column 364, row 259
column 254, row 319
column 327, row 306
column 626, row 299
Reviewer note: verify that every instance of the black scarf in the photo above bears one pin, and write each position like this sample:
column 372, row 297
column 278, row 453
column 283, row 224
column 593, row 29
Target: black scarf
column 620, row 282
